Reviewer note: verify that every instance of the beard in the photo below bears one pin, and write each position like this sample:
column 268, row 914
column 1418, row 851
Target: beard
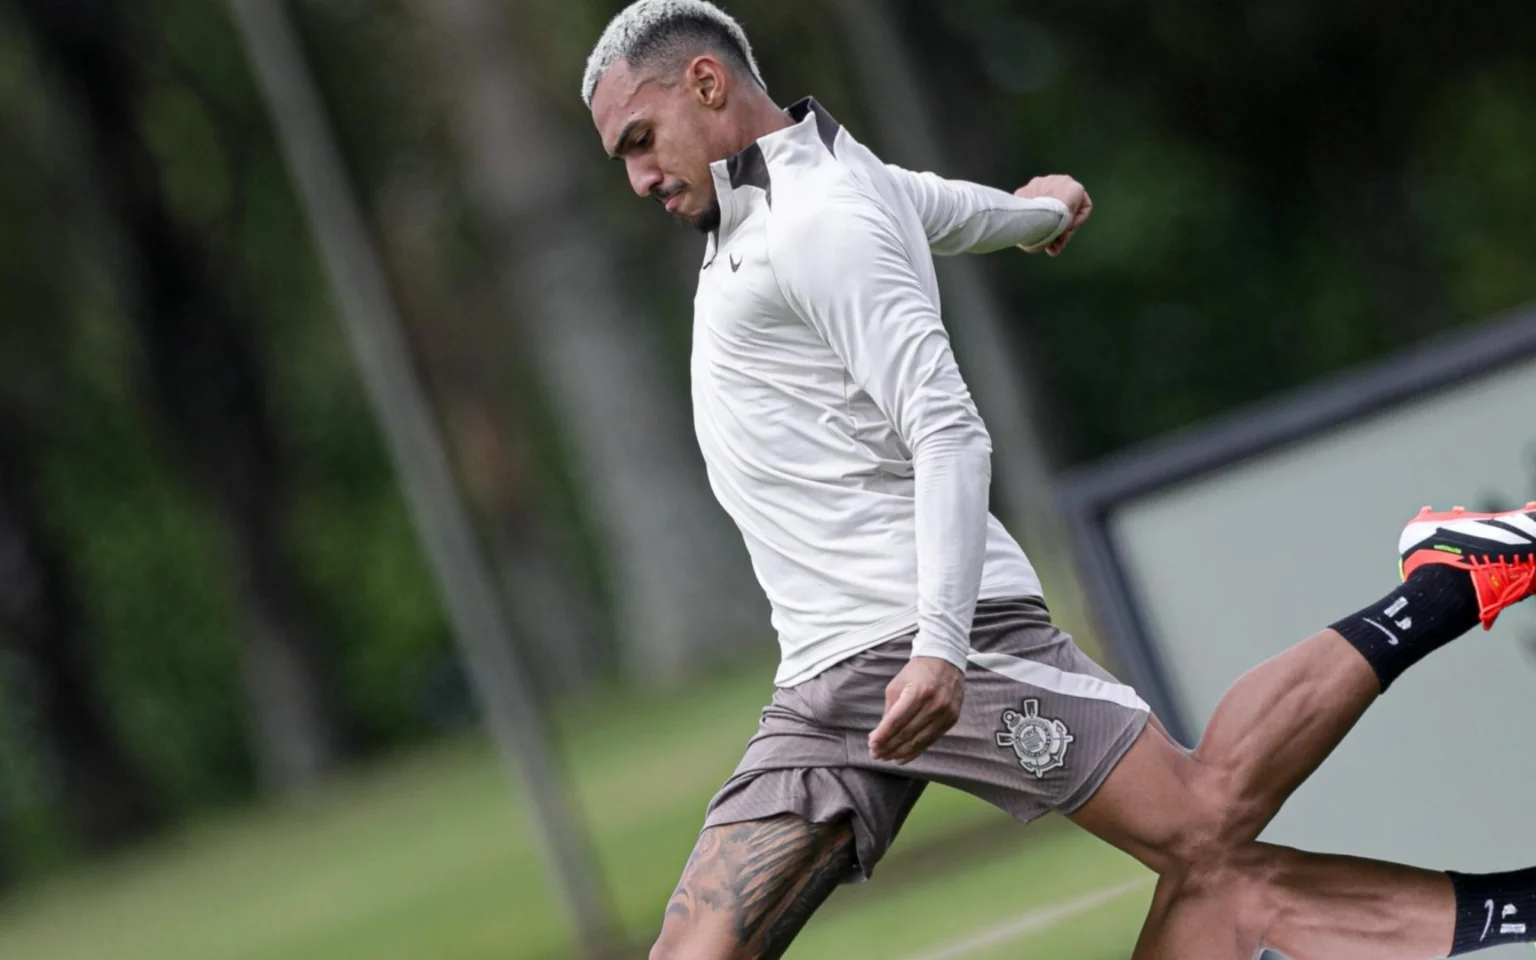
column 706, row 220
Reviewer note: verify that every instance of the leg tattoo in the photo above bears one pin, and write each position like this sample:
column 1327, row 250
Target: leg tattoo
column 763, row 878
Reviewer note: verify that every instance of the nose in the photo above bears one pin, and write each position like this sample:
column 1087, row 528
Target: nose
column 643, row 177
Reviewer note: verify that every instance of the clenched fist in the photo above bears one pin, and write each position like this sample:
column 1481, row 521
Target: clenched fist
column 1069, row 192
column 921, row 703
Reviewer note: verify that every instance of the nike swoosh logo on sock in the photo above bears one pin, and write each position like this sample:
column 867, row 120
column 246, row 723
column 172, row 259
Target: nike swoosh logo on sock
column 1391, row 637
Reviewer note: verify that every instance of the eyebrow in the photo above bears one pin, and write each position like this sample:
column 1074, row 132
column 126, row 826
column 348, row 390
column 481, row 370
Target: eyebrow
column 622, row 143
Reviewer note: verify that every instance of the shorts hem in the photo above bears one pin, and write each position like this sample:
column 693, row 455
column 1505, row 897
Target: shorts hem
column 1105, row 766
column 867, row 848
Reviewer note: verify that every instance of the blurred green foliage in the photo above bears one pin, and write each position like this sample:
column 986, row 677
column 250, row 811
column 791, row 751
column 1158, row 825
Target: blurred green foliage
column 151, row 561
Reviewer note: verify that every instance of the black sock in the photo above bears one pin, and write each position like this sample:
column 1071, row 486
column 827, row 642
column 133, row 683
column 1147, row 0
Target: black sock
column 1431, row 608
column 1494, row 909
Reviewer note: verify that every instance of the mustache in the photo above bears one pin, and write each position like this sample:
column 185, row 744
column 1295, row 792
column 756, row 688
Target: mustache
column 662, row 196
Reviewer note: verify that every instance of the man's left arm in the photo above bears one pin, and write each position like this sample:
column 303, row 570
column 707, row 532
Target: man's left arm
column 845, row 271
column 963, row 217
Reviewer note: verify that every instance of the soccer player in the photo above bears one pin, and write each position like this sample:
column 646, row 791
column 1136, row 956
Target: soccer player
column 916, row 648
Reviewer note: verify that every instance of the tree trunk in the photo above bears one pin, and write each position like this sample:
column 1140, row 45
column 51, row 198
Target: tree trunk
column 466, row 363
column 679, row 577
column 201, row 373
column 372, row 321
column 104, row 797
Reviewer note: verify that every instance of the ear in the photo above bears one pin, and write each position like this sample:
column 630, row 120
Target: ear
column 708, row 81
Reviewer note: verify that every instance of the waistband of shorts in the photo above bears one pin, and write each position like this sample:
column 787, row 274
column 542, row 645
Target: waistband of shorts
column 993, row 614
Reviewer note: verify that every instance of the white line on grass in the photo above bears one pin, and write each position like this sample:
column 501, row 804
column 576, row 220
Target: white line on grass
column 1029, row 923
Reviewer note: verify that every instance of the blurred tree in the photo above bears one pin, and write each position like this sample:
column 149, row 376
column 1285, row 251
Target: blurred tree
column 1318, row 103
column 552, row 614
column 679, row 579
column 54, row 710
column 375, row 331
column 507, row 441
column 1264, row 215
column 144, row 587
column 201, row 374
column 102, row 794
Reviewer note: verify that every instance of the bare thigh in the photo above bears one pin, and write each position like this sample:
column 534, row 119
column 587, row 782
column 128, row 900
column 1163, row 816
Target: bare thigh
column 1164, row 807
column 1222, row 895
column 750, row 887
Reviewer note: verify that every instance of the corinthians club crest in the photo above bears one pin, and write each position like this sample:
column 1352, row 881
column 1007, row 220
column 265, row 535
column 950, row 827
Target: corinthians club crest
column 1040, row 743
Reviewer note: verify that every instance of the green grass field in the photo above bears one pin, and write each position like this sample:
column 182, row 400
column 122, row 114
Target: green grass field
column 427, row 858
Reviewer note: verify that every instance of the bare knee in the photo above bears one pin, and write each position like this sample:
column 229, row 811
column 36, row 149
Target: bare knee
column 662, row 950
column 665, row 949
column 685, row 936
column 1171, row 810
column 1223, row 818
column 679, row 943
column 1242, row 879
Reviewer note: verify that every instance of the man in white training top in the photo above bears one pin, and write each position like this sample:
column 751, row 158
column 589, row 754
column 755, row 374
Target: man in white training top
column 839, row 435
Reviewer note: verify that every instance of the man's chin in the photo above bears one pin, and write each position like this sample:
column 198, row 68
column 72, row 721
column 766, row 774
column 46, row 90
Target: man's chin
column 705, row 221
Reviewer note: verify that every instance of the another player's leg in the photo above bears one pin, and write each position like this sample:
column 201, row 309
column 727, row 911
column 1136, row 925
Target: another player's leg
column 1308, row 906
column 1194, row 817
column 1281, row 720
column 1223, row 896
column 750, row 887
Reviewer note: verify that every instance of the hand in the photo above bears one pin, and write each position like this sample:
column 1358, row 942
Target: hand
column 1069, row 192
column 921, row 704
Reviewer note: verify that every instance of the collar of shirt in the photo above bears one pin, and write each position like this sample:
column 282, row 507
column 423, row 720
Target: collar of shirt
column 744, row 181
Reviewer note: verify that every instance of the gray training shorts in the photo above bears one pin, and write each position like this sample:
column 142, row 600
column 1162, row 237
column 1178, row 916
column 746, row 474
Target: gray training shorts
column 1042, row 727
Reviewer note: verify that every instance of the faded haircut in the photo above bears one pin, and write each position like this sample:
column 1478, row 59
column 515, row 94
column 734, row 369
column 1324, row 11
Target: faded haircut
column 653, row 32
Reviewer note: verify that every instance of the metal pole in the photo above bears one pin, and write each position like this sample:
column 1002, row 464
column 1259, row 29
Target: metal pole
column 374, row 331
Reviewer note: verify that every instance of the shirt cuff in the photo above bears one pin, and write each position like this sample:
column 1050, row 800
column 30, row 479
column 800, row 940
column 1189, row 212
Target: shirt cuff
column 1036, row 244
column 925, row 646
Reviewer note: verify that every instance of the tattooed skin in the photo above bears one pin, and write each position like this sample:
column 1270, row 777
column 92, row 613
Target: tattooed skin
column 758, row 883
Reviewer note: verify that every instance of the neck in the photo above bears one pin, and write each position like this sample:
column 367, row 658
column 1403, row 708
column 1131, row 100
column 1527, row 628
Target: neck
column 760, row 116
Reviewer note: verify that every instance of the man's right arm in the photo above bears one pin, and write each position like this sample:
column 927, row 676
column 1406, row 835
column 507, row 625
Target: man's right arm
column 964, row 217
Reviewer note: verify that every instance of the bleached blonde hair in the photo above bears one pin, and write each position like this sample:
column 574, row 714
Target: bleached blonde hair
column 648, row 31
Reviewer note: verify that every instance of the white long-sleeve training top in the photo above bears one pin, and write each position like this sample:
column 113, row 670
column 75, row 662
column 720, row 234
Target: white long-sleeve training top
column 837, row 430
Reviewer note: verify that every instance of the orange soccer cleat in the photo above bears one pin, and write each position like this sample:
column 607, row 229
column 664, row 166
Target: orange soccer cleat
column 1497, row 549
